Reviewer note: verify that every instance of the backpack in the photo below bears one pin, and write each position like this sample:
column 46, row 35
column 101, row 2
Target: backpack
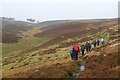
column 76, row 48
column 71, row 50
column 90, row 43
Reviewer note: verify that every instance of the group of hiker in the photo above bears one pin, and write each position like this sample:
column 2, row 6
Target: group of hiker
column 84, row 47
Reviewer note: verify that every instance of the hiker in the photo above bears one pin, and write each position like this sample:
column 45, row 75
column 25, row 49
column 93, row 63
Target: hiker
column 94, row 43
column 76, row 50
column 98, row 42
column 87, row 46
column 71, row 53
column 82, row 49
column 102, row 40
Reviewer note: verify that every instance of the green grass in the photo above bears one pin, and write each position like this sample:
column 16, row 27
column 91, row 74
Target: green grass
column 61, row 55
column 51, row 47
column 22, row 45
column 28, row 58
column 105, row 36
column 9, row 66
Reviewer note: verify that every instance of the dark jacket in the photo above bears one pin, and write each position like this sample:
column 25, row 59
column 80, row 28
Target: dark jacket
column 82, row 47
column 75, row 53
column 94, row 42
column 98, row 42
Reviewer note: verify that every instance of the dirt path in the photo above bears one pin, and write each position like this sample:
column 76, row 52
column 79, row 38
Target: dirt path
column 82, row 65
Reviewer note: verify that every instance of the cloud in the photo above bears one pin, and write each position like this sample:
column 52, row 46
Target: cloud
column 59, row 9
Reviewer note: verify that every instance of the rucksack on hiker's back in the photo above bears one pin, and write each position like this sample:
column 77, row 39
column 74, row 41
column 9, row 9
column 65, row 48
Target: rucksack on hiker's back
column 76, row 47
column 71, row 51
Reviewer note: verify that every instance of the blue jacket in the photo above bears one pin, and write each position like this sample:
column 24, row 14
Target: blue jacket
column 71, row 50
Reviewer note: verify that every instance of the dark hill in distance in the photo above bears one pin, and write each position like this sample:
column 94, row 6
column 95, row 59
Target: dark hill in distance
column 73, row 26
column 11, row 28
column 50, row 23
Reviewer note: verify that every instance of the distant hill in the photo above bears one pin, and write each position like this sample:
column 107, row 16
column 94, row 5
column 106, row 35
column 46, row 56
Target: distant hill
column 10, row 29
column 13, row 26
column 54, row 22
column 72, row 26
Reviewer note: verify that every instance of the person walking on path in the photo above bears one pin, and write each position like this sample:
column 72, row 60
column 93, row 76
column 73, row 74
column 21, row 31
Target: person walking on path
column 98, row 42
column 102, row 40
column 82, row 49
column 76, row 50
column 87, row 46
column 94, row 43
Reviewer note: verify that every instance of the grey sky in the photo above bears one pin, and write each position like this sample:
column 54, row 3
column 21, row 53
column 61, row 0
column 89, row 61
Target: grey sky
column 44, row 10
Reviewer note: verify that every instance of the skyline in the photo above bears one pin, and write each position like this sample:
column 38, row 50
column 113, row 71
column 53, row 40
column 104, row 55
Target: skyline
column 46, row 10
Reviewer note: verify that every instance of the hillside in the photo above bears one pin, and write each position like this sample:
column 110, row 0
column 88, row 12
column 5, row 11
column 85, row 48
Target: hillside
column 51, row 59
column 18, row 36
column 74, row 26
column 11, row 29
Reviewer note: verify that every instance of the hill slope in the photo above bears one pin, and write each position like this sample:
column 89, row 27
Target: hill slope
column 52, row 60
column 11, row 29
